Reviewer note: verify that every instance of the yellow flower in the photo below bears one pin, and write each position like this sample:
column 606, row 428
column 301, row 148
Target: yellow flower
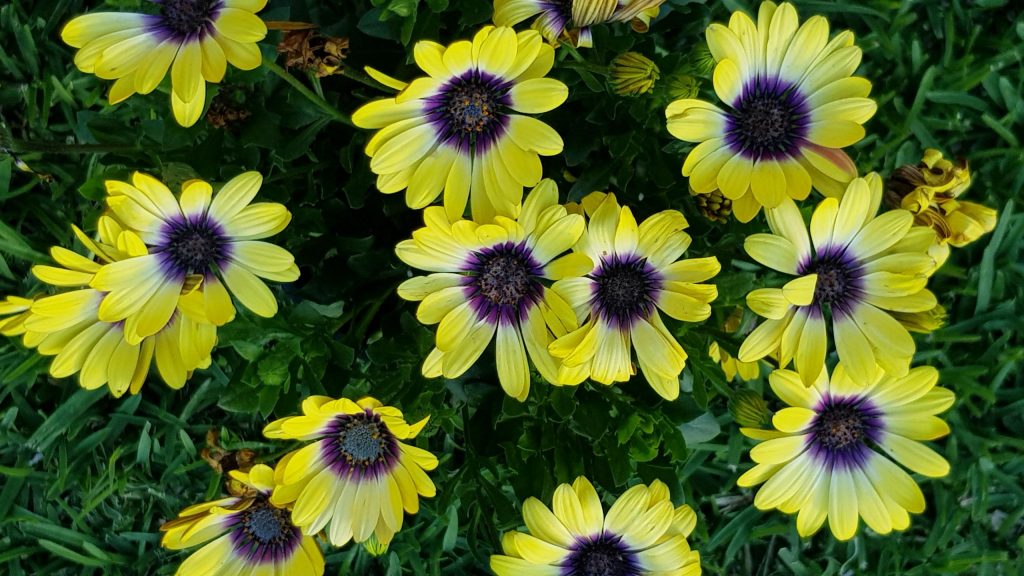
column 825, row 457
column 571, row 19
column 198, row 238
column 931, row 190
column 356, row 477
column 792, row 105
column 633, row 74
column 194, row 39
column 243, row 535
column 636, row 272
column 853, row 269
column 462, row 129
column 643, row 534
column 733, row 366
column 487, row 280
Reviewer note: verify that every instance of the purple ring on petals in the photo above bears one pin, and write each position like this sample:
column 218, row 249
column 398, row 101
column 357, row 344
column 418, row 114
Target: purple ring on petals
column 769, row 120
column 625, row 289
column 469, row 111
column 840, row 284
column 604, row 554
column 357, row 467
column 193, row 244
column 864, row 423
column 502, row 282
column 263, row 534
column 184, row 20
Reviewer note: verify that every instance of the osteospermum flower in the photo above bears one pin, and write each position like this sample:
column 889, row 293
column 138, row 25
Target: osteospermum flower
column 932, row 190
column 462, row 128
column 67, row 326
column 636, row 272
column 357, row 476
column 852, row 270
column 194, row 39
column 792, row 105
column 197, row 238
column 643, row 534
column 242, row 535
column 827, row 457
column 488, row 280
column 571, row 19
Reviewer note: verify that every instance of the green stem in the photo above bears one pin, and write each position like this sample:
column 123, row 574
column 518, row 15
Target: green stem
column 322, row 104
column 23, row 146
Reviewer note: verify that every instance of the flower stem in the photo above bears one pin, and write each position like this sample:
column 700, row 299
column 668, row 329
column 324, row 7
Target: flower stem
column 320, row 103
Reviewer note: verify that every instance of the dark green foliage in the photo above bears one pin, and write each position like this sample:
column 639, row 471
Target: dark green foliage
column 86, row 480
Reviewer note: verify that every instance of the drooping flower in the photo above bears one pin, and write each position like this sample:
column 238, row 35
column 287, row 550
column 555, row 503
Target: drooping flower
column 932, row 190
column 488, row 280
column 193, row 39
column 462, row 129
column 827, row 456
column 197, row 238
column 792, row 106
column 571, row 20
column 633, row 74
column 66, row 325
column 643, row 534
column 853, row 269
column 243, row 535
column 357, row 476
column 636, row 272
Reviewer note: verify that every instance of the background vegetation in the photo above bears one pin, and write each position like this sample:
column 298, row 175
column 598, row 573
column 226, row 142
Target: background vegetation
column 85, row 480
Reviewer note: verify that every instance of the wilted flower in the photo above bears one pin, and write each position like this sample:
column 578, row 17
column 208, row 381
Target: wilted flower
column 633, row 74
column 931, row 190
column 313, row 52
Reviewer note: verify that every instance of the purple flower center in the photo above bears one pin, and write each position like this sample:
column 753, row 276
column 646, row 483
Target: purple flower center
column 842, row 429
column 625, row 289
column 187, row 19
column 264, row 534
column 470, row 110
column 360, row 444
column 502, row 282
column 604, row 555
column 839, row 279
column 193, row 246
column 769, row 120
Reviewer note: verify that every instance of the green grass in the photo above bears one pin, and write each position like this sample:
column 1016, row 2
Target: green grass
column 86, row 480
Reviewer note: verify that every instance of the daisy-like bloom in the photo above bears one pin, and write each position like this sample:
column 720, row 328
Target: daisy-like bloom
column 243, row 535
column 67, row 325
column 932, row 190
column 571, row 19
column 633, row 74
column 458, row 131
column 194, row 39
column 197, row 238
column 643, row 534
column 488, row 280
column 732, row 366
column 853, row 269
column 357, row 476
column 636, row 272
column 792, row 105
column 826, row 457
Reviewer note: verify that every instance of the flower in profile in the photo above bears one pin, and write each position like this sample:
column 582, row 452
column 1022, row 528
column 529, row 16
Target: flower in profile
column 571, row 20
column 488, row 280
column 636, row 272
column 67, row 326
column 827, row 456
column 633, row 74
column 643, row 534
column 854, row 269
column 791, row 107
column 196, row 239
column 244, row 534
column 194, row 39
column 932, row 190
column 463, row 129
column 357, row 476
column 732, row 366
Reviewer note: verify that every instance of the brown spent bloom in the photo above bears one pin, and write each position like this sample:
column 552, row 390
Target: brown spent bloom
column 313, row 52
column 223, row 461
column 225, row 112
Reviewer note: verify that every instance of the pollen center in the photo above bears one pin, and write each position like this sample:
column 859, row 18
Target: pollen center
column 470, row 110
column 838, row 284
column 832, row 282
column 363, row 441
column 768, row 120
column 194, row 246
column 472, row 106
column 185, row 18
column 839, row 426
column 625, row 289
column 603, row 556
column 265, row 523
column 504, row 280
